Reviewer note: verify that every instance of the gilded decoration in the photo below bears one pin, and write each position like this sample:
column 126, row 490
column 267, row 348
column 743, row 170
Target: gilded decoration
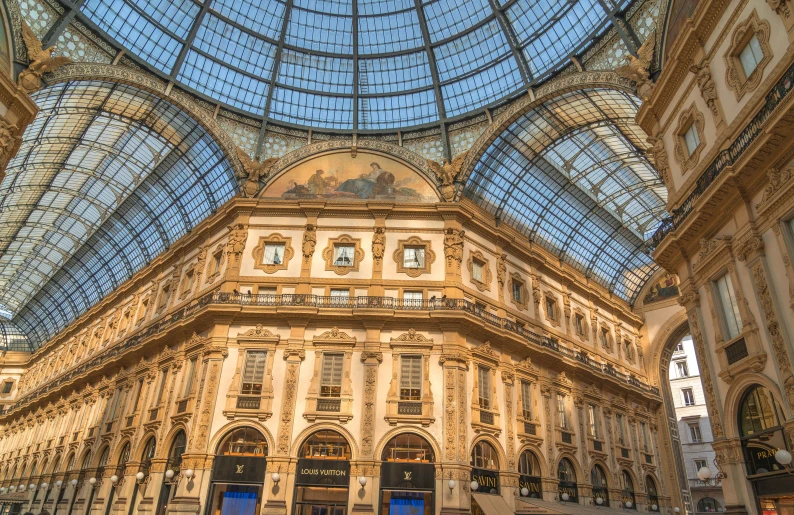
column 734, row 73
column 412, row 337
column 517, row 283
column 421, row 268
column 665, row 288
column 40, row 61
column 477, row 258
column 378, row 243
column 279, row 262
column 688, row 118
column 351, row 263
column 238, row 234
column 309, row 242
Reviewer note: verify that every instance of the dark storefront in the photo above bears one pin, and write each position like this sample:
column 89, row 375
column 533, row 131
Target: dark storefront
column 322, row 479
column 407, row 477
column 529, row 483
column 238, row 474
column 567, row 488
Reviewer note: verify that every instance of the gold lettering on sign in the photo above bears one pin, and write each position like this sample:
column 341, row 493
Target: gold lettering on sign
column 485, row 480
column 239, row 469
column 407, row 475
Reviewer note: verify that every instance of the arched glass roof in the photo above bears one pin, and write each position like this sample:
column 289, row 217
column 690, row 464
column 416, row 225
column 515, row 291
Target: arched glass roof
column 11, row 338
column 354, row 65
column 107, row 178
column 572, row 175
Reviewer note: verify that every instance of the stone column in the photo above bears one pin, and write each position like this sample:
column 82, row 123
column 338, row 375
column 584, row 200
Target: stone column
column 364, row 499
column 454, row 459
column 509, row 481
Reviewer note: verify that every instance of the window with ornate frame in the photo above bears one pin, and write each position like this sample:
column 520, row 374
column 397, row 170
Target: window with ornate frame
column 580, row 325
column 251, row 391
column 551, row 309
column 605, row 337
column 527, row 377
column 690, row 138
column 273, row 253
column 484, row 403
column 187, row 283
column 165, row 296
column 519, row 294
column 343, row 254
column 749, row 51
column 414, row 256
column 215, row 264
column 479, row 270
column 330, row 394
column 412, row 400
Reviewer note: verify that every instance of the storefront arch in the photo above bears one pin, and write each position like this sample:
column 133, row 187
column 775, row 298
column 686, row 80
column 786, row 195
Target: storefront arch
column 736, row 394
column 653, row 493
column 500, row 459
column 407, row 473
column 599, row 479
column 421, row 433
column 309, row 431
column 627, row 490
column 224, row 432
column 323, row 474
column 544, row 471
column 238, row 470
column 568, row 474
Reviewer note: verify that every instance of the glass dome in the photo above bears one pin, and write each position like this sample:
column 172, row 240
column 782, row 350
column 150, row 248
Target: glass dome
column 361, row 65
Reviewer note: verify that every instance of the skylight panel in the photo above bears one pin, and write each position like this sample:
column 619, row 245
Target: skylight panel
column 316, row 73
column 260, row 16
column 446, row 18
column 471, row 51
column 311, row 30
column 397, row 110
column 370, row 7
column 397, row 32
column 234, row 47
column 305, row 108
column 481, row 89
column 394, row 74
column 230, row 86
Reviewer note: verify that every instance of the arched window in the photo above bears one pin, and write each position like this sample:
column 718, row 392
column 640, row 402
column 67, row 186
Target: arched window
column 326, row 444
column 528, row 464
column 408, row 447
column 86, row 461
column 148, row 453
column 600, row 486
column 758, row 411
column 33, row 469
column 124, row 457
column 484, row 456
column 104, row 457
column 627, row 493
column 69, row 463
column 565, row 471
column 177, row 450
column 244, row 441
column 708, row 505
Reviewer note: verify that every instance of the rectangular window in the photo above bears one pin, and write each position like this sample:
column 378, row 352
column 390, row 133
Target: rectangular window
column 476, row 270
column 517, row 287
column 699, row 464
column 138, row 391
column 689, row 397
column 645, row 441
column 331, row 379
column 592, row 415
column 115, row 406
column 692, row 139
column 253, row 372
column 550, row 306
column 274, row 254
column 344, row 255
column 189, row 376
column 412, row 298
column 7, row 386
column 681, row 369
column 605, row 338
column 411, row 378
column 484, row 382
column 621, row 429
column 562, row 413
column 414, row 257
column 526, row 399
column 730, row 307
column 579, row 320
column 694, row 433
column 679, row 348
column 161, row 387
column 750, row 56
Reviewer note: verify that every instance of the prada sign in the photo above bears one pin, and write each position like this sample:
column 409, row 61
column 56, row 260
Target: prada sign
column 239, row 469
column 487, row 479
column 408, row 476
column 323, row 472
column 531, row 483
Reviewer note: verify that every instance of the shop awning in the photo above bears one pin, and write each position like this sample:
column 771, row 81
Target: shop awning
column 525, row 505
column 492, row 504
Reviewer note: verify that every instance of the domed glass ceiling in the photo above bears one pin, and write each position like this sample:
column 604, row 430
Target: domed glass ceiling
column 354, row 65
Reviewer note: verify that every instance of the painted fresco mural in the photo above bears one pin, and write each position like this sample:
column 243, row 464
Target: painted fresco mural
column 665, row 288
column 340, row 176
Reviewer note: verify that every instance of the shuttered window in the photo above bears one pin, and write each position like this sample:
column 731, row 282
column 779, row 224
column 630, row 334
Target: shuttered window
column 526, row 399
column 730, row 307
column 254, row 372
column 191, row 373
column 484, row 380
column 411, row 378
column 331, row 381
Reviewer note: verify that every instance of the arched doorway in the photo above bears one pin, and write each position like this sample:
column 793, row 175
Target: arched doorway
column 567, row 488
column 653, row 494
column 761, row 432
column 173, row 467
column 708, row 505
column 529, row 482
column 598, row 478
column 143, row 468
column 485, row 468
column 238, row 473
column 627, row 498
column 322, row 480
column 407, row 484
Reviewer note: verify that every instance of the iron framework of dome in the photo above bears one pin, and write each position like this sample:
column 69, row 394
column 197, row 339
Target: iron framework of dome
column 355, row 65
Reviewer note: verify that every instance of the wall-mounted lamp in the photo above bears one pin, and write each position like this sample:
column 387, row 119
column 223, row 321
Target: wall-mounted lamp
column 474, row 486
column 783, row 457
column 525, row 491
column 73, row 482
column 599, row 501
column 92, row 481
column 362, row 481
column 276, row 477
column 451, row 484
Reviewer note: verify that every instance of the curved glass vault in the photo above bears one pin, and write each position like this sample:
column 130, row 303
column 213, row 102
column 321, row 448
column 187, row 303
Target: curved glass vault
column 361, row 65
column 106, row 179
column 570, row 174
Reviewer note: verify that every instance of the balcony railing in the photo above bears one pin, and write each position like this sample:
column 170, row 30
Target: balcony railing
column 530, row 428
column 486, row 417
column 317, row 301
column 409, row 408
column 567, row 437
column 727, row 157
column 736, row 351
column 248, row 402
column 332, row 405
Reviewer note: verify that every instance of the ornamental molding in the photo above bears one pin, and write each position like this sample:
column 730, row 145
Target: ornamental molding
column 412, row 337
column 713, row 253
column 779, row 183
column 527, row 366
column 413, row 241
column 523, row 302
column 259, row 253
column 686, row 119
column 454, row 358
column 258, row 333
column 750, row 245
column 734, row 73
column 485, row 352
column 328, row 254
column 336, row 336
column 485, row 284
column 544, row 93
column 146, row 82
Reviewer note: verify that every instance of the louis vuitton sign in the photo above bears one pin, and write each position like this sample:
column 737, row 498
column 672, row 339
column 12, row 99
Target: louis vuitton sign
column 323, row 472
column 408, row 476
column 239, row 469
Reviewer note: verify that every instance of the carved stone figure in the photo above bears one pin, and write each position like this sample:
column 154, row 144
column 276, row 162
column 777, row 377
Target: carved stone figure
column 501, row 269
column 660, row 160
column 237, row 236
column 706, row 84
column 637, row 68
column 309, row 241
column 254, row 170
column 9, row 139
column 40, row 59
column 453, row 245
column 378, row 243
column 447, row 172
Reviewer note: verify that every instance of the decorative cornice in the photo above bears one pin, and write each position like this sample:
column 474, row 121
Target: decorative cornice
column 335, row 334
column 259, row 332
column 412, row 336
